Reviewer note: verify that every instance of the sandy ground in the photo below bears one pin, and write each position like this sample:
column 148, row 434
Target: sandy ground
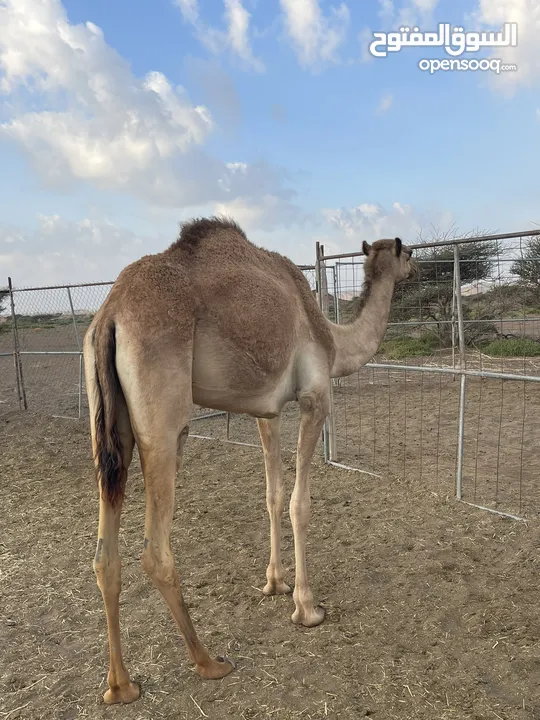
column 432, row 605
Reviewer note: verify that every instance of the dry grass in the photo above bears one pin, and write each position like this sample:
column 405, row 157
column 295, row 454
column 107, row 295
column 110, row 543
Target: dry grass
column 432, row 606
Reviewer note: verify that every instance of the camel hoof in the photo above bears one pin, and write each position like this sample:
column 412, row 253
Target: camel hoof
column 276, row 588
column 216, row 669
column 226, row 659
column 124, row 694
column 309, row 619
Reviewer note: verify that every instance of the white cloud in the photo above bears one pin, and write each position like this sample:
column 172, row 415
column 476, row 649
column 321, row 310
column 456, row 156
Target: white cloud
column 255, row 204
column 189, row 9
column 314, row 36
column 365, row 38
column 112, row 125
column 385, row 104
column 369, row 221
column 60, row 251
column 88, row 118
column 94, row 249
column 387, row 9
column 267, row 213
column 234, row 38
column 237, row 33
column 410, row 13
column 425, row 6
column 526, row 13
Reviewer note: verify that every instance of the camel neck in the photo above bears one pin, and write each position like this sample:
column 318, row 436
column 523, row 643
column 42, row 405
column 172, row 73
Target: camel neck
column 357, row 342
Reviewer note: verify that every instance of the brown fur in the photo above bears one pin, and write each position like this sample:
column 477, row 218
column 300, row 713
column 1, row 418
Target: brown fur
column 196, row 230
column 217, row 321
column 377, row 265
column 224, row 241
column 223, row 263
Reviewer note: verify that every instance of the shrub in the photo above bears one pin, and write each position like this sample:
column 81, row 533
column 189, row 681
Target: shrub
column 514, row 347
column 404, row 347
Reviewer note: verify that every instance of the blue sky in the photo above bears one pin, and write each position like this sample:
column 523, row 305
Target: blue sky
column 118, row 120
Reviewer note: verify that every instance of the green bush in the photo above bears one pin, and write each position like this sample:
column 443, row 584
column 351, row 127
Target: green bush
column 517, row 347
column 404, row 347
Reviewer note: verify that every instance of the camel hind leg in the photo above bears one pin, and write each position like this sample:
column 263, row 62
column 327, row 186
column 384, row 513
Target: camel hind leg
column 107, row 564
column 160, row 404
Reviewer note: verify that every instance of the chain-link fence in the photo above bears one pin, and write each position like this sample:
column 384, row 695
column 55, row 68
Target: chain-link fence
column 452, row 394
column 41, row 334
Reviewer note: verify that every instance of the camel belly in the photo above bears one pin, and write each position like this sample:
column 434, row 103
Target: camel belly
column 263, row 405
column 227, row 378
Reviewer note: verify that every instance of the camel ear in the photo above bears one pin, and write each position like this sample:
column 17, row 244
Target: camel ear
column 398, row 247
column 366, row 247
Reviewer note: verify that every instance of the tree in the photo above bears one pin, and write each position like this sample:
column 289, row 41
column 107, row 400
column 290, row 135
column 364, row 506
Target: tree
column 4, row 295
column 429, row 296
column 527, row 267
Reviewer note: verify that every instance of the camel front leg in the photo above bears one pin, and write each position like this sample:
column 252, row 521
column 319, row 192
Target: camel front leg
column 275, row 502
column 313, row 408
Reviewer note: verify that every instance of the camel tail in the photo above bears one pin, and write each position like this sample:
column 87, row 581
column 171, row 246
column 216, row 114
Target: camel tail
column 108, row 447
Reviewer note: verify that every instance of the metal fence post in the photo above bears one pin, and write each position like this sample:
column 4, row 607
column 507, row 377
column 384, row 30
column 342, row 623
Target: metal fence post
column 454, row 319
column 337, row 295
column 463, row 377
column 318, row 281
column 329, row 435
column 79, row 346
column 336, row 381
column 16, row 351
column 325, row 305
column 337, row 310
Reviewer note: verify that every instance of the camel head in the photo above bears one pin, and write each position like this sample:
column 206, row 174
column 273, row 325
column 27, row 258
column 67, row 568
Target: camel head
column 388, row 258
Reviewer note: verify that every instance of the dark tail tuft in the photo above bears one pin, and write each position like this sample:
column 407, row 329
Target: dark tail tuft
column 109, row 454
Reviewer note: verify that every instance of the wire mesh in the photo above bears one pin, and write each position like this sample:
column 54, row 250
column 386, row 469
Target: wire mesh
column 50, row 324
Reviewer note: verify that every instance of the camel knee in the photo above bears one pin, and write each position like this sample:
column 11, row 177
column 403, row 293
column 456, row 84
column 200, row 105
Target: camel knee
column 159, row 566
column 314, row 404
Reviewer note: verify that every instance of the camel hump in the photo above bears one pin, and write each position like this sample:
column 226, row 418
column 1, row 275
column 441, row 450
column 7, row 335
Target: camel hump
column 199, row 229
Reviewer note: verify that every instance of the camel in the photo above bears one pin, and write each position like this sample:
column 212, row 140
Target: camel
column 218, row 322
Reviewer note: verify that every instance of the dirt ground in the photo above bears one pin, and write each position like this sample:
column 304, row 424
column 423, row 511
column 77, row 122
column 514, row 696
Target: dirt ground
column 406, row 423
column 432, row 606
